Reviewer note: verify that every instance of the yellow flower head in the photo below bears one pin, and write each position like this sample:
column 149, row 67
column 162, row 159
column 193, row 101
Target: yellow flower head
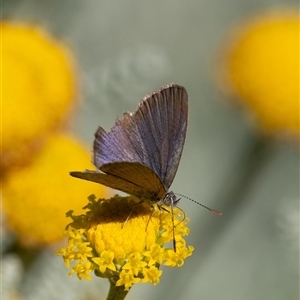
column 38, row 88
column 125, row 241
column 36, row 197
column 261, row 67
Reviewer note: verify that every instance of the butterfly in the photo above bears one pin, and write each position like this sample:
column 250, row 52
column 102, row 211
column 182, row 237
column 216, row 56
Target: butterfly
column 141, row 153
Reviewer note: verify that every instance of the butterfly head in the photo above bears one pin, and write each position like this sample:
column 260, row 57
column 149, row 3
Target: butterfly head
column 170, row 199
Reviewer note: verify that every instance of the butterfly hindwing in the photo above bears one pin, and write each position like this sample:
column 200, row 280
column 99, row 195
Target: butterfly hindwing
column 123, row 176
column 140, row 175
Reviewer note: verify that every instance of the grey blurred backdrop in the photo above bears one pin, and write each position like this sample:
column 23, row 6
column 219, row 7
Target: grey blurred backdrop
column 125, row 49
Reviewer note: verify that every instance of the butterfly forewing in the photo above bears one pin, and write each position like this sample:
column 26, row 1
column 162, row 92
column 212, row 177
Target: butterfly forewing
column 153, row 136
column 162, row 119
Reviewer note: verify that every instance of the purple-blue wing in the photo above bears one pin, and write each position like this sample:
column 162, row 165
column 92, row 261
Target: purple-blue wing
column 153, row 135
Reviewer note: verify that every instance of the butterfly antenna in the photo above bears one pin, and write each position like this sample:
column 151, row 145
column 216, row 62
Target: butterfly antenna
column 216, row 212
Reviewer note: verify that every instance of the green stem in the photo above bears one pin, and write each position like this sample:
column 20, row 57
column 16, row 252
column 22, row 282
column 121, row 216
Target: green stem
column 116, row 292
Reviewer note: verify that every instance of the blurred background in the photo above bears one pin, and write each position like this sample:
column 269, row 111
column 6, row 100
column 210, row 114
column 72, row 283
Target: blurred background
column 70, row 66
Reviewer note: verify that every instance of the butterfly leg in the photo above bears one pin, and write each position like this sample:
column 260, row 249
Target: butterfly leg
column 131, row 213
column 173, row 225
column 152, row 213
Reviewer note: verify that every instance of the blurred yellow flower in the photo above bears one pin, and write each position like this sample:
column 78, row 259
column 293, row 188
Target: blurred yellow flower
column 38, row 88
column 125, row 252
column 37, row 197
column 261, row 67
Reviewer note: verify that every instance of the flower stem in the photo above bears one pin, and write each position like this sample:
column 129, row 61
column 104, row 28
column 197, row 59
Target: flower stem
column 116, row 292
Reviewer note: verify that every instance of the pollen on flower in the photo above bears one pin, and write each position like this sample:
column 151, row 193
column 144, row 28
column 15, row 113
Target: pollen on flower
column 84, row 251
column 68, row 254
column 77, row 249
column 135, row 263
column 120, row 241
column 155, row 254
column 152, row 275
column 105, row 261
column 82, row 270
column 176, row 259
column 76, row 235
column 127, row 279
column 178, row 227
